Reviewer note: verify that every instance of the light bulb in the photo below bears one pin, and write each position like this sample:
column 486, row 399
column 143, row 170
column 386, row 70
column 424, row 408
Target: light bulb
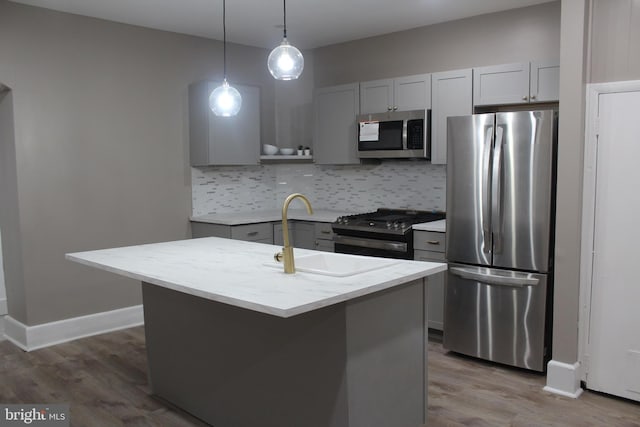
column 225, row 100
column 285, row 62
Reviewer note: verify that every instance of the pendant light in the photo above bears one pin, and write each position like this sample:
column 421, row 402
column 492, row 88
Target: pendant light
column 285, row 61
column 225, row 100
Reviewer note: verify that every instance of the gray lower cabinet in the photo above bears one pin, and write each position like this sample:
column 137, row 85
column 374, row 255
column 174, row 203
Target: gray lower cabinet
column 261, row 232
column 217, row 140
column 301, row 234
column 324, row 237
column 429, row 246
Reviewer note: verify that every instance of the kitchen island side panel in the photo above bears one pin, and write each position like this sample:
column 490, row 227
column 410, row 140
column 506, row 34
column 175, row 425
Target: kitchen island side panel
column 359, row 363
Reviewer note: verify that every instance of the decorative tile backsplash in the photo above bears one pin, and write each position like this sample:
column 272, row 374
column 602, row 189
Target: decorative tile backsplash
column 357, row 188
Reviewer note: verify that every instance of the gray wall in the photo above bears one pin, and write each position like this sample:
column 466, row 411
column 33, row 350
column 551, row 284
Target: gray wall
column 516, row 35
column 9, row 217
column 101, row 149
column 615, row 41
column 573, row 77
column 599, row 43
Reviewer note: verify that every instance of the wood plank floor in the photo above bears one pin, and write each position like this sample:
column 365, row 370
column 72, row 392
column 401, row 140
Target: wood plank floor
column 105, row 381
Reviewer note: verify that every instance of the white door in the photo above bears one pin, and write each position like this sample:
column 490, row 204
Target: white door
column 613, row 347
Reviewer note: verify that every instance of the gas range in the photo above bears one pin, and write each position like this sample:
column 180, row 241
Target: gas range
column 385, row 232
column 385, row 221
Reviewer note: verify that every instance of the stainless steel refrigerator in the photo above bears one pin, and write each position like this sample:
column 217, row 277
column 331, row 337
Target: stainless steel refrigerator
column 500, row 227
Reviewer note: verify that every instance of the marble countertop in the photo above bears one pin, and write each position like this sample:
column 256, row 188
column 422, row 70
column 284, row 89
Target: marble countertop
column 239, row 218
column 234, row 272
column 439, row 226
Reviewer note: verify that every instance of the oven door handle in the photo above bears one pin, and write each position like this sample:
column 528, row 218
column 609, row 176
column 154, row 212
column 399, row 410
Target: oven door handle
column 370, row 243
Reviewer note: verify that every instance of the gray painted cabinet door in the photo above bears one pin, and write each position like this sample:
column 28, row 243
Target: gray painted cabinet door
column 545, row 81
column 335, row 137
column 376, row 96
column 399, row 94
column 501, row 84
column 451, row 96
column 217, row 140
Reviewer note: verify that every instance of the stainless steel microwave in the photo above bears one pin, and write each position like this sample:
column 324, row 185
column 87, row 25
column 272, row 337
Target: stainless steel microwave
column 396, row 134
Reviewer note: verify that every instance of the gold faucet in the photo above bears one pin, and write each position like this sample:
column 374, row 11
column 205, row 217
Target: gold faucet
column 287, row 251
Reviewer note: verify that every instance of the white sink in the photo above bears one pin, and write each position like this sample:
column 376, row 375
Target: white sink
column 330, row 264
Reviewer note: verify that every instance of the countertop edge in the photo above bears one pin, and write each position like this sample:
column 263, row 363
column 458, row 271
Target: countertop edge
column 430, row 269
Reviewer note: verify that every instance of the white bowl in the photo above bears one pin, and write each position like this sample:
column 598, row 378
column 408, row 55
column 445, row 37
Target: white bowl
column 269, row 149
column 287, row 151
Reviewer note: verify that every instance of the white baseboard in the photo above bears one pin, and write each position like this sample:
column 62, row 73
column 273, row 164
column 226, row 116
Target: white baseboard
column 31, row 338
column 563, row 379
column 2, row 338
column 3, row 306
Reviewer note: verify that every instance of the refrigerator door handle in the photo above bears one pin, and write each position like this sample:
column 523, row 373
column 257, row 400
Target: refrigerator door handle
column 486, row 225
column 496, row 189
column 517, row 280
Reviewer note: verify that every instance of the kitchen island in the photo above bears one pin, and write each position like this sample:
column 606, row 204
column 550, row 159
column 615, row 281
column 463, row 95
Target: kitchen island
column 236, row 342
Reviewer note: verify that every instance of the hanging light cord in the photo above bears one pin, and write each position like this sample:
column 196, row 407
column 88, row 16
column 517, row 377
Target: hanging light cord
column 284, row 2
column 224, row 37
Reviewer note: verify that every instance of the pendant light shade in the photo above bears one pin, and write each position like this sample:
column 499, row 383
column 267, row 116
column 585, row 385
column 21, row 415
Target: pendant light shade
column 285, row 61
column 225, row 100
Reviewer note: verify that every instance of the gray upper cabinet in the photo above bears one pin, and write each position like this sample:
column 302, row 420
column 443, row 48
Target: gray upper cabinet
column 217, row 140
column 545, row 82
column 451, row 96
column 376, row 96
column 399, row 94
column 336, row 133
column 517, row 83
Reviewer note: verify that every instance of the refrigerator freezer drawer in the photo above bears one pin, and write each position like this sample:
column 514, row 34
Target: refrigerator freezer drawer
column 497, row 315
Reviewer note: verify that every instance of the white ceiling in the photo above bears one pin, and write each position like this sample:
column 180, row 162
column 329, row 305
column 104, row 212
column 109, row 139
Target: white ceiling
column 310, row 23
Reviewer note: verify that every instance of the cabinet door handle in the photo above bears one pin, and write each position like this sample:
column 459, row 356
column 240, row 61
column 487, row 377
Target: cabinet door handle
column 395, row 108
column 433, row 242
column 525, row 98
column 389, row 108
column 533, row 97
column 252, row 233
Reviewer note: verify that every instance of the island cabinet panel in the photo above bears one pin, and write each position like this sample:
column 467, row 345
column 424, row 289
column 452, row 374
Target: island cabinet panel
column 430, row 246
column 260, row 232
column 217, row 140
column 360, row 363
column 336, row 133
column 451, row 96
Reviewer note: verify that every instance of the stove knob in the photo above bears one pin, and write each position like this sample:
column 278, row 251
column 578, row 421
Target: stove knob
column 396, row 225
column 372, row 224
column 345, row 220
column 389, row 224
column 339, row 220
column 403, row 225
